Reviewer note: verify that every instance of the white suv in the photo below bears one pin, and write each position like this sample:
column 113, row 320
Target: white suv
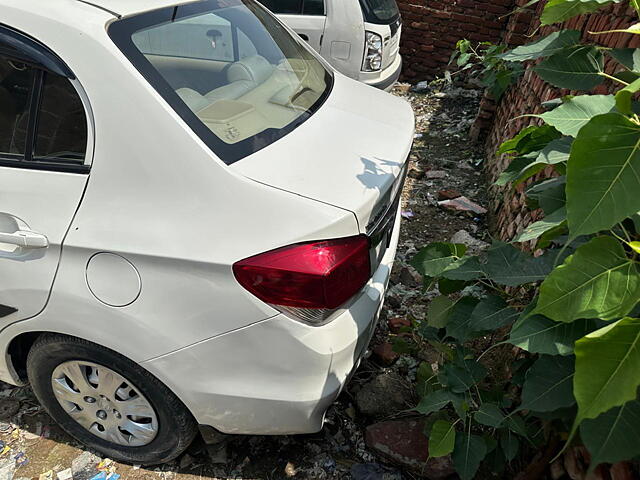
column 193, row 231
column 360, row 38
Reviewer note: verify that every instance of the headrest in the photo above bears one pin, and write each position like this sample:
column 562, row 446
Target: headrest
column 255, row 69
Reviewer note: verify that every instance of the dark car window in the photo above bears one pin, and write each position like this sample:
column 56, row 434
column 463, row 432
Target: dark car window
column 313, row 7
column 16, row 86
column 296, row 7
column 284, row 6
column 42, row 117
column 62, row 124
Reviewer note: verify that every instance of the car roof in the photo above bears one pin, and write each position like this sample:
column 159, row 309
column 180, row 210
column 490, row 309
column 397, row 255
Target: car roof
column 129, row 7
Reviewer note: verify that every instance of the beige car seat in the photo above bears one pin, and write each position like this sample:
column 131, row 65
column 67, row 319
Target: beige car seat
column 243, row 76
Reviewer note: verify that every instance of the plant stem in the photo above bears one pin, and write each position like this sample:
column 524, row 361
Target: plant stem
column 610, row 77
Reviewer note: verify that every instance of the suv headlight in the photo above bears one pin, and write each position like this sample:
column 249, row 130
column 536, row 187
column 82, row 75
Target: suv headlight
column 372, row 52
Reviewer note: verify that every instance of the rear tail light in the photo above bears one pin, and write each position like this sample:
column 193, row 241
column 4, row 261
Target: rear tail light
column 308, row 281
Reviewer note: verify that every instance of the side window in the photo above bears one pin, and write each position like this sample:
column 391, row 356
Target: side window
column 62, row 124
column 16, row 87
column 177, row 39
column 284, row 6
column 42, row 118
column 313, row 7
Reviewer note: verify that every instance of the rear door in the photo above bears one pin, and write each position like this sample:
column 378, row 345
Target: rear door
column 44, row 135
column 306, row 17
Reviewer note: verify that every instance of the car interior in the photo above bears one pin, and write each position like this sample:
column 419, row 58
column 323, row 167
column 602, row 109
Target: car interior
column 235, row 82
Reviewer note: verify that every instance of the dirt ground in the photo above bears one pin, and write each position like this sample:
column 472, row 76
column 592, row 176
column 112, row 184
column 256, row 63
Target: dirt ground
column 443, row 158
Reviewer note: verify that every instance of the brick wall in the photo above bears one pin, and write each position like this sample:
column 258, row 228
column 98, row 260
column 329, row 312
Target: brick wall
column 432, row 28
column 509, row 213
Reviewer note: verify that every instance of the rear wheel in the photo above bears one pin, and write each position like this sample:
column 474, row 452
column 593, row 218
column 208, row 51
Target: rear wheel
column 108, row 402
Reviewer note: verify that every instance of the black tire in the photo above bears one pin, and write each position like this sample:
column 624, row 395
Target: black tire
column 176, row 426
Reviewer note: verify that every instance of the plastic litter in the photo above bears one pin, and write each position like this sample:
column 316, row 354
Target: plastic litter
column 21, row 459
column 106, row 476
column 65, row 474
column 408, row 214
column 48, row 475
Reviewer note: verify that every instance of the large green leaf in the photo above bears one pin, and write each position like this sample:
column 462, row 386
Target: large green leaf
column 535, row 230
column 529, row 139
column 607, row 368
column 557, row 151
column 549, row 384
column 468, row 453
column 442, row 439
column 629, row 57
column 507, row 265
column 435, row 401
column 603, row 174
column 458, row 322
column 576, row 112
column 433, row 259
column 538, row 334
column 439, row 311
column 514, row 170
column 466, row 269
column 491, row 313
column 561, row 10
column 575, row 68
column 489, row 414
column 597, row 281
column 624, row 97
column 549, row 195
column 472, row 318
column 447, row 287
column 544, row 47
column 613, row 436
column 510, row 444
column 525, row 167
column 462, row 378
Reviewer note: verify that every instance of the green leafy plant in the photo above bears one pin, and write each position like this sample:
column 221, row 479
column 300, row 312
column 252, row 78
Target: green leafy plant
column 484, row 60
column 572, row 309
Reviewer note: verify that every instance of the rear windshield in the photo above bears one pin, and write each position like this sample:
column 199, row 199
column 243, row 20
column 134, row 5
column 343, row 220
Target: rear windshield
column 380, row 11
column 229, row 68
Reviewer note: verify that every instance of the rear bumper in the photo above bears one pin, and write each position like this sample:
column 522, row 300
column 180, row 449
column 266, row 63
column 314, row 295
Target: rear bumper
column 385, row 79
column 278, row 376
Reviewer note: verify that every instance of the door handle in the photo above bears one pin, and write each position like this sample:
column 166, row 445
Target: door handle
column 25, row 239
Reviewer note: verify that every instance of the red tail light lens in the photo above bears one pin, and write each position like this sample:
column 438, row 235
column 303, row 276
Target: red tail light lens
column 317, row 275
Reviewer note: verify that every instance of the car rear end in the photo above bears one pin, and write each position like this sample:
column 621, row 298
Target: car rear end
column 275, row 120
column 280, row 375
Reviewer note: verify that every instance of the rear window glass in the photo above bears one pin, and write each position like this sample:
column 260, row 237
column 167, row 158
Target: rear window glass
column 229, row 68
column 380, row 11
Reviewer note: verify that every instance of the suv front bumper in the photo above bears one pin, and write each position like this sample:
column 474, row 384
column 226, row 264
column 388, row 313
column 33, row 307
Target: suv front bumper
column 278, row 376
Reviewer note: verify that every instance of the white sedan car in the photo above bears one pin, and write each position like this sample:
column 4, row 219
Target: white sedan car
column 192, row 235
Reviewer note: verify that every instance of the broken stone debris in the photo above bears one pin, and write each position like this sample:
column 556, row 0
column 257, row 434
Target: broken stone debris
column 396, row 324
column 434, row 174
column 404, row 443
column 474, row 245
column 384, row 395
column 463, row 204
column 448, row 194
column 384, row 354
